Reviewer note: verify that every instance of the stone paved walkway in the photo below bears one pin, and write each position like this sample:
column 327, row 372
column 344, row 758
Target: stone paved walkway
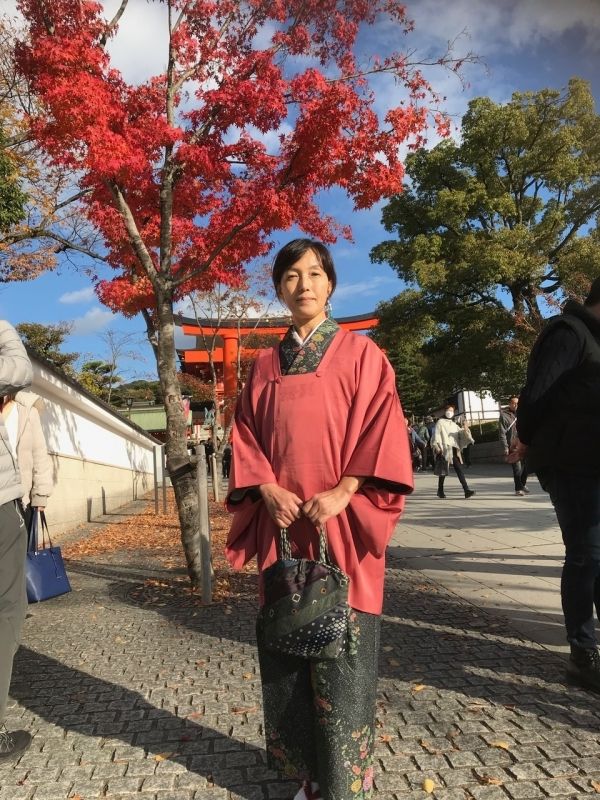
column 162, row 702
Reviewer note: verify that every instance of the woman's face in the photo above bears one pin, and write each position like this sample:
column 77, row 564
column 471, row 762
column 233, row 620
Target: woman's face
column 305, row 288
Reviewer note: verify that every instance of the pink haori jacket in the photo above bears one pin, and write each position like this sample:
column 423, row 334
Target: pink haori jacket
column 305, row 432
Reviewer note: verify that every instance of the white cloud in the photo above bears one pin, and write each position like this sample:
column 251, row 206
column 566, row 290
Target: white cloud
column 491, row 31
column 205, row 311
column 78, row 296
column 504, row 26
column 540, row 19
column 370, row 288
column 93, row 321
column 139, row 49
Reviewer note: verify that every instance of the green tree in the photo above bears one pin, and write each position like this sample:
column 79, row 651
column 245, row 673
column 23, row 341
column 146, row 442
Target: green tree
column 12, row 197
column 136, row 390
column 406, row 352
column 99, row 377
column 46, row 341
column 494, row 231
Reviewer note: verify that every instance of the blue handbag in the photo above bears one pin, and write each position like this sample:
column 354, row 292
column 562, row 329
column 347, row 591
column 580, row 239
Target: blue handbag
column 44, row 569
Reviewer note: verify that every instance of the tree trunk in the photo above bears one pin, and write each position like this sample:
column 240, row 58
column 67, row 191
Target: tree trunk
column 180, row 469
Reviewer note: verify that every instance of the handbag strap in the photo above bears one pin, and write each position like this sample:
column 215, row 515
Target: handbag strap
column 285, row 547
column 45, row 530
column 32, row 532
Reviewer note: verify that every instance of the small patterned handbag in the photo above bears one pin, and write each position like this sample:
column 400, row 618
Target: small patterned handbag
column 306, row 604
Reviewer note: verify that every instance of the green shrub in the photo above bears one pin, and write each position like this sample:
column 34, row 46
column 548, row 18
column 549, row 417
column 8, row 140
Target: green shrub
column 487, row 433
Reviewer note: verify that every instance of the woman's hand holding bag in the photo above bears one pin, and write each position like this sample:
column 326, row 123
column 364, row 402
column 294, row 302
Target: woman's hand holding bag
column 283, row 506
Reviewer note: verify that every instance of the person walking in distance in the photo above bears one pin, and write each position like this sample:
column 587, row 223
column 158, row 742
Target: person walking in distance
column 507, row 429
column 448, row 441
column 558, row 422
column 15, row 374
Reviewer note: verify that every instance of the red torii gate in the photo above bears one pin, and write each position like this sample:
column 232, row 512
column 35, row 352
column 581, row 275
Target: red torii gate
column 228, row 331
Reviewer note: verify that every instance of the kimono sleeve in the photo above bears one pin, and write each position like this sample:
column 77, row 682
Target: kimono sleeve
column 377, row 436
column 249, row 465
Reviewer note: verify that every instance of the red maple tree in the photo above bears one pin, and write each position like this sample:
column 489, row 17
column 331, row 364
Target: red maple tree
column 175, row 172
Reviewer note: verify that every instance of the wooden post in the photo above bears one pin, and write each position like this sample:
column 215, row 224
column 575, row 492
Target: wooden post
column 215, row 477
column 155, row 465
column 163, row 462
column 204, row 521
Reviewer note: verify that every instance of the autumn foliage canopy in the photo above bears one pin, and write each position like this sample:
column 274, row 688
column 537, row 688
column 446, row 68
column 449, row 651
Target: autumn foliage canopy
column 262, row 105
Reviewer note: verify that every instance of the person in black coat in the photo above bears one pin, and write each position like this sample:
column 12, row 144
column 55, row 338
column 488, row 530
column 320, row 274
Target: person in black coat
column 226, row 460
column 558, row 424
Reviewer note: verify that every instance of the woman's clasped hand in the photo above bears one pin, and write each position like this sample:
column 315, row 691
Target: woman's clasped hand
column 285, row 507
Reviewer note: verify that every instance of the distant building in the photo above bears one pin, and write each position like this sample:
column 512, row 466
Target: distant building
column 477, row 406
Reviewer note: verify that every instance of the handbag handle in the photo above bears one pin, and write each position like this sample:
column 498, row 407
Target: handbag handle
column 45, row 530
column 32, row 532
column 286, row 548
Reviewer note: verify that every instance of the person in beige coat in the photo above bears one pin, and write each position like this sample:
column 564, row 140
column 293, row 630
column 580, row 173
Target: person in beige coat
column 449, row 439
column 22, row 422
column 15, row 374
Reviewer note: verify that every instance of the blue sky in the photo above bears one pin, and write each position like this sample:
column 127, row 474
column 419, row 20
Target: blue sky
column 525, row 44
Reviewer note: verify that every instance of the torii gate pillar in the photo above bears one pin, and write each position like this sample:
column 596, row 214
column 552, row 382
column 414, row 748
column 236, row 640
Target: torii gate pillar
column 230, row 351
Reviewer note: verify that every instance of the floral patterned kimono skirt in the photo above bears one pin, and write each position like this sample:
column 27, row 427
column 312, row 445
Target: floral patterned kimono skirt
column 320, row 715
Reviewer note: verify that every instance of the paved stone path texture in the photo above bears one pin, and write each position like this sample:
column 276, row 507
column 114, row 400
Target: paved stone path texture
column 161, row 701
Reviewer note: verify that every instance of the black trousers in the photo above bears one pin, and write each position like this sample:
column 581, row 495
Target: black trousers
column 459, row 473
column 576, row 500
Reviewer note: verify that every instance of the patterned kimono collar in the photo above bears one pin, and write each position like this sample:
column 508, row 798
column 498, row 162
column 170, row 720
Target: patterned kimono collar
column 296, row 359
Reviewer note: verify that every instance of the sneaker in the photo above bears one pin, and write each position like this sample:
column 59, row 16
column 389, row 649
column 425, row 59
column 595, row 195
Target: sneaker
column 441, row 495
column 519, row 492
column 469, row 493
column 526, row 490
column 583, row 667
column 14, row 744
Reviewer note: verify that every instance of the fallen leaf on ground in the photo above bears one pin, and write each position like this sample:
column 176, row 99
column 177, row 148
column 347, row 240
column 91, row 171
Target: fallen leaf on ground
column 385, row 737
column 428, row 785
column 595, row 786
column 418, row 687
column 501, row 745
column 247, row 676
column 393, row 662
column 489, row 780
column 429, row 747
column 244, row 709
column 476, row 708
column 163, row 756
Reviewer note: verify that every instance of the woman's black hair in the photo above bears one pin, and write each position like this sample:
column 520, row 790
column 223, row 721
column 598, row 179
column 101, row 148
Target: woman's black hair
column 293, row 251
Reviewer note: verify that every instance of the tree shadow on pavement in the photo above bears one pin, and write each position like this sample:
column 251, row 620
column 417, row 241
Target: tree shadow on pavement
column 429, row 636
column 87, row 706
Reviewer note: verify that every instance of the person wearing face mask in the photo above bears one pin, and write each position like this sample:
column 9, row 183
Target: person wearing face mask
column 319, row 440
column 448, row 441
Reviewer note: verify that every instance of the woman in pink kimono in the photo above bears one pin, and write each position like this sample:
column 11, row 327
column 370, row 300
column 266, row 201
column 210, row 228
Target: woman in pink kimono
column 320, row 439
